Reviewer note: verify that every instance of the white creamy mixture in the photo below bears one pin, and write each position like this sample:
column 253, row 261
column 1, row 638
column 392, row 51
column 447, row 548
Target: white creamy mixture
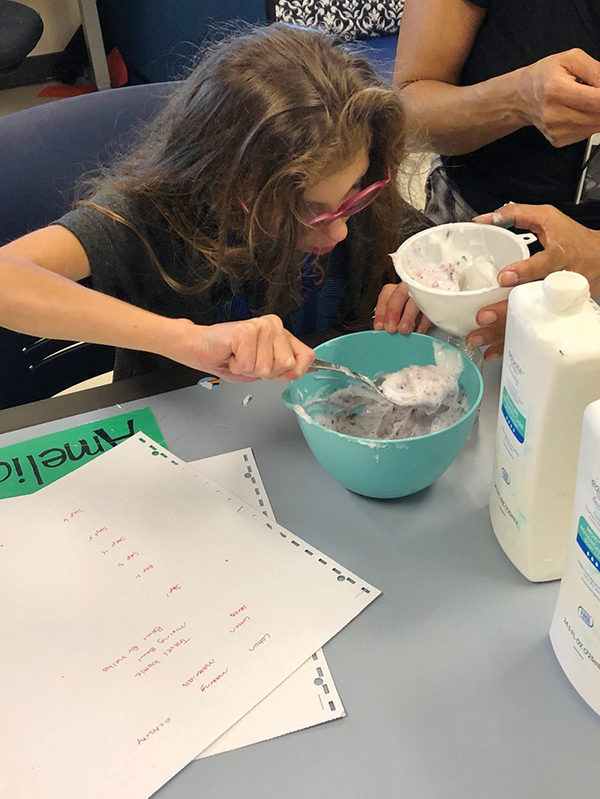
column 431, row 393
column 424, row 387
column 465, row 274
column 452, row 269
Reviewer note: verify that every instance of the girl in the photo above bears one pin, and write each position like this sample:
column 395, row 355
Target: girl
column 260, row 207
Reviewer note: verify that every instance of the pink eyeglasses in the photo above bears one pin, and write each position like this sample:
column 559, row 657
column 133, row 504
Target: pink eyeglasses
column 358, row 202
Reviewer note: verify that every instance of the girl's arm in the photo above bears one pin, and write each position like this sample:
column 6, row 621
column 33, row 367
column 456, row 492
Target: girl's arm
column 558, row 94
column 40, row 297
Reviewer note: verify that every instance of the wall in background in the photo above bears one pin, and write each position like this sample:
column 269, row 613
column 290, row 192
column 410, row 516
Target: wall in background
column 158, row 37
column 61, row 20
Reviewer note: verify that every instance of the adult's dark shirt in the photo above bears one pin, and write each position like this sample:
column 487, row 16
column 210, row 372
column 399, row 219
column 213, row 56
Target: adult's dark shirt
column 524, row 166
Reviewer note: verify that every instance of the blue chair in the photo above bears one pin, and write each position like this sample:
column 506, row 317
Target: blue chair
column 44, row 151
column 379, row 50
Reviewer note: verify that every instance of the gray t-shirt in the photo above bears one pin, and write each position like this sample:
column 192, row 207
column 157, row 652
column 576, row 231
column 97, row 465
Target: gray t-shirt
column 122, row 267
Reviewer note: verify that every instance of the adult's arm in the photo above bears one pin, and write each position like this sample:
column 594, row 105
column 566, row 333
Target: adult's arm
column 40, row 296
column 559, row 94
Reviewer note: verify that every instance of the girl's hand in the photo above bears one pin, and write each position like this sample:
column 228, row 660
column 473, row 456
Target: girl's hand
column 397, row 312
column 560, row 95
column 239, row 352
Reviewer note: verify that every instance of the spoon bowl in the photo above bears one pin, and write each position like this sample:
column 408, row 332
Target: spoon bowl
column 398, row 390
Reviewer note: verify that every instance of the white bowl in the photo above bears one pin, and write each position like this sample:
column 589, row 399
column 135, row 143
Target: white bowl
column 455, row 312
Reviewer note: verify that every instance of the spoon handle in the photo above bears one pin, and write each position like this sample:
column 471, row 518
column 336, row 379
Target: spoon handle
column 318, row 365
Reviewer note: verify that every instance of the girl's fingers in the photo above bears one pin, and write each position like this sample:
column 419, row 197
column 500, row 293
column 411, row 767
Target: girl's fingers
column 423, row 324
column 392, row 307
column 303, row 356
column 382, row 305
column 283, row 355
column 395, row 309
column 242, row 360
column 263, row 366
column 397, row 312
column 408, row 317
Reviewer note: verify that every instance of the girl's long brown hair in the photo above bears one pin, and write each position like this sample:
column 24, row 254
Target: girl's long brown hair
column 262, row 117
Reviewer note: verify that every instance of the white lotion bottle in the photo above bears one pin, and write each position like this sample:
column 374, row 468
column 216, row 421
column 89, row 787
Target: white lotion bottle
column 551, row 372
column 575, row 630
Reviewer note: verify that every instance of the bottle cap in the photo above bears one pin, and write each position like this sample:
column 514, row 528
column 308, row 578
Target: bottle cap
column 565, row 291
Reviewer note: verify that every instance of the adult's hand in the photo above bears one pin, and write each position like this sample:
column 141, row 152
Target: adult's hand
column 567, row 245
column 560, row 95
column 492, row 319
column 396, row 312
column 256, row 349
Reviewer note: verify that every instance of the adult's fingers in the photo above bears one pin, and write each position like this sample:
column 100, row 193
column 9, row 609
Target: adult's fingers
column 537, row 267
column 492, row 321
column 226, row 374
column 260, row 349
column 494, row 351
column 527, row 217
column 583, row 66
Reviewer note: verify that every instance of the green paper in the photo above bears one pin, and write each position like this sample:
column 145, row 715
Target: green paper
column 30, row 465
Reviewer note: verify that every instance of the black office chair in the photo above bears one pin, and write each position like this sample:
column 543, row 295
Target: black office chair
column 20, row 30
column 44, row 151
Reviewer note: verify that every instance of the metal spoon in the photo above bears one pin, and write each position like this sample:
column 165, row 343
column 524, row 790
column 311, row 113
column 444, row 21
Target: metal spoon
column 375, row 385
column 318, row 365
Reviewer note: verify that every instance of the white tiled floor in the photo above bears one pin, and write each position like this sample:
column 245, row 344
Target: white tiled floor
column 21, row 97
column 99, row 380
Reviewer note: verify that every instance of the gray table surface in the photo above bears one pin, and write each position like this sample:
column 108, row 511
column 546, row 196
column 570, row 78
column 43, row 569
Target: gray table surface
column 449, row 681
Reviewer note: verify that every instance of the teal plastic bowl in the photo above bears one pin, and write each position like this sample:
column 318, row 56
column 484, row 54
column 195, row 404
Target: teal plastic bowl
column 374, row 468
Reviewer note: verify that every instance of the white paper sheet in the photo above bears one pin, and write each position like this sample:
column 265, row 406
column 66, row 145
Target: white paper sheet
column 306, row 699
column 146, row 611
column 309, row 696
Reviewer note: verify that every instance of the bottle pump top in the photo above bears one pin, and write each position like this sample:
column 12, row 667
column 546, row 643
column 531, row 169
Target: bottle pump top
column 566, row 292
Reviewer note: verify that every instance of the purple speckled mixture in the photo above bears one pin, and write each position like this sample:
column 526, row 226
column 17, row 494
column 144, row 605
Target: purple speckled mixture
column 442, row 276
column 357, row 411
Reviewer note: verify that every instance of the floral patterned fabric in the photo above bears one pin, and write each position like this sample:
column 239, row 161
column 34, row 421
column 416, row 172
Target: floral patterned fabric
column 349, row 19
